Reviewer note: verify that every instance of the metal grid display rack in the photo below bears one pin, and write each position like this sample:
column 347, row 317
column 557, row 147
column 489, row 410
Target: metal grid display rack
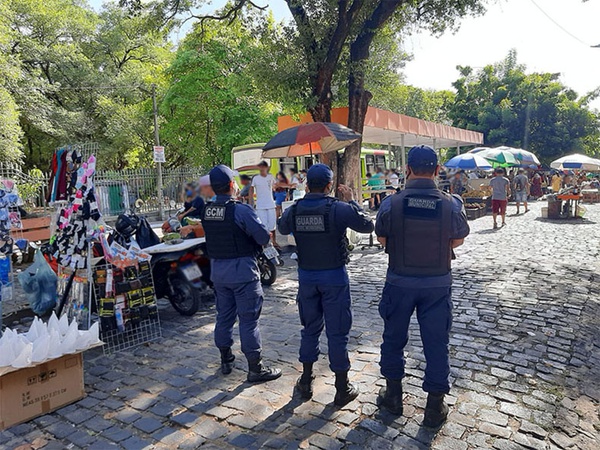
column 127, row 306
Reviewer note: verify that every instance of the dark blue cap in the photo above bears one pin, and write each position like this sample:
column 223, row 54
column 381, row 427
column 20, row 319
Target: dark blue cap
column 220, row 175
column 319, row 175
column 422, row 156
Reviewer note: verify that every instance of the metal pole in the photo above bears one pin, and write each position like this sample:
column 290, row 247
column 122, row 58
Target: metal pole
column 403, row 155
column 159, row 181
column 458, row 149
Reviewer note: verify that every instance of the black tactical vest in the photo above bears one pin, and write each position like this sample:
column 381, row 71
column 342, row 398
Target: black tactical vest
column 320, row 245
column 421, row 224
column 224, row 239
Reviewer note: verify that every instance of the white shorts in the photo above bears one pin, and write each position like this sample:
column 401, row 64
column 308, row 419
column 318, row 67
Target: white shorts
column 267, row 217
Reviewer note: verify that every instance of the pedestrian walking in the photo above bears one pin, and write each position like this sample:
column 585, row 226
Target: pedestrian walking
column 500, row 193
column 319, row 224
column 521, row 187
column 263, row 186
column 419, row 228
column 234, row 238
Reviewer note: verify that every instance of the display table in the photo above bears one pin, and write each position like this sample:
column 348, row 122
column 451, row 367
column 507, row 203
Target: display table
column 571, row 204
column 590, row 195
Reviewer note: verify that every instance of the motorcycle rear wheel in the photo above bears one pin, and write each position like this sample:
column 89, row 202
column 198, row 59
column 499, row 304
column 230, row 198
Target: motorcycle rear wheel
column 185, row 298
column 268, row 271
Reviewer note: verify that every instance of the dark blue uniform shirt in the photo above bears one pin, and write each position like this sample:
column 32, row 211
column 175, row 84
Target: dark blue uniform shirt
column 460, row 230
column 345, row 215
column 244, row 269
column 198, row 205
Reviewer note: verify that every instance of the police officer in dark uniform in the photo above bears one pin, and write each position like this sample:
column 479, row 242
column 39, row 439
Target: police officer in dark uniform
column 234, row 238
column 318, row 223
column 419, row 228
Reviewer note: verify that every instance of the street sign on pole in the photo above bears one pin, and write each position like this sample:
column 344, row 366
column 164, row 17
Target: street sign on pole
column 159, row 154
column 161, row 157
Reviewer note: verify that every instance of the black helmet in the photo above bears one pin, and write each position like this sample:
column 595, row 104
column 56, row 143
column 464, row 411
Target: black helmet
column 126, row 224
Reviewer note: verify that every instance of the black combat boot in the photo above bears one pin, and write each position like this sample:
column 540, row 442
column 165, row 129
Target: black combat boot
column 258, row 372
column 304, row 383
column 227, row 359
column 436, row 411
column 345, row 391
column 390, row 396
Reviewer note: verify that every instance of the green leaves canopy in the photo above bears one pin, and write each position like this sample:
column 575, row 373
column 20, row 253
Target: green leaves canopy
column 533, row 111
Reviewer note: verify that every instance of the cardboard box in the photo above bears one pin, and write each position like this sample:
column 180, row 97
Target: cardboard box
column 33, row 391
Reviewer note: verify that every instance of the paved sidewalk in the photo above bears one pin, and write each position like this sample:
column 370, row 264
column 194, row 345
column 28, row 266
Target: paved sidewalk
column 525, row 364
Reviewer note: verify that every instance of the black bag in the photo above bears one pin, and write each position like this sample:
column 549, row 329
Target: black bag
column 145, row 236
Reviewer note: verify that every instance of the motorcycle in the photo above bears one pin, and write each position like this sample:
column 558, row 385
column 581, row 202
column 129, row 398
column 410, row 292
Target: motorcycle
column 181, row 273
column 268, row 260
column 180, row 269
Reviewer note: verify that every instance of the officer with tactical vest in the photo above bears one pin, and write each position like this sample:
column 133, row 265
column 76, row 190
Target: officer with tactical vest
column 234, row 238
column 419, row 228
column 318, row 223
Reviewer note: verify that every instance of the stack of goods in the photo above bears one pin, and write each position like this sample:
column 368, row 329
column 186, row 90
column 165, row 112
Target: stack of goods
column 43, row 342
column 126, row 296
column 74, row 220
column 478, row 201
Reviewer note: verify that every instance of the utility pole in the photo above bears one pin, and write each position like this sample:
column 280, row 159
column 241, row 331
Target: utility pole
column 159, row 181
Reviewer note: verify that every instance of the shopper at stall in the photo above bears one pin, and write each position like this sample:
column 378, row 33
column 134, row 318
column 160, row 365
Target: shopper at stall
column 234, row 238
column 500, row 193
column 263, row 186
column 319, row 223
column 245, row 181
column 457, row 185
column 557, row 182
column 419, row 277
column 521, row 188
column 193, row 204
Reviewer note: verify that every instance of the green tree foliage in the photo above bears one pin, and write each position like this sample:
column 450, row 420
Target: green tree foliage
column 76, row 75
column 213, row 102
column 533, row 111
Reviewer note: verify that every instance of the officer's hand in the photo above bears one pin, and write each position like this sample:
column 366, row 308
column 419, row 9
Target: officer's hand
column 346, row 194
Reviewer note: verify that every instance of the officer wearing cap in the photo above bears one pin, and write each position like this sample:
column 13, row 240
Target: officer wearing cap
column 318, row 223
column 419, row 228
column 234, row 238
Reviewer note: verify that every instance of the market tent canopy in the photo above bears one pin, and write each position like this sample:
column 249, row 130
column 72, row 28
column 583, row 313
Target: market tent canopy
column 386, row 127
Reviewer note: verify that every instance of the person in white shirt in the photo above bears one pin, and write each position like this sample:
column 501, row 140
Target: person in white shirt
column 394, row 179
column 262, row 186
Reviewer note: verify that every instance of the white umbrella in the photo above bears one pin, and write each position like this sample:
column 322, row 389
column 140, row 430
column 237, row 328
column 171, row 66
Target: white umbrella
column 576, row 161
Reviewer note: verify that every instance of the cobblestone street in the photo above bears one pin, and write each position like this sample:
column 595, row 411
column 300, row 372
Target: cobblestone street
column 525, row 355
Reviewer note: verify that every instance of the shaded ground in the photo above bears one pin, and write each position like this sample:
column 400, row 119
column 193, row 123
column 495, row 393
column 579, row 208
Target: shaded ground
column 525, row 363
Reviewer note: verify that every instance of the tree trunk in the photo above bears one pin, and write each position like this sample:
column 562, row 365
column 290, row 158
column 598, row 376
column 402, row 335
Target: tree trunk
column 358, row 97
column 322, row 113
column 358, row 101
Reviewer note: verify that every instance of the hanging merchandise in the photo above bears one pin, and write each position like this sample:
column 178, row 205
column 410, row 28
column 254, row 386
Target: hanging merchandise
column 126, row 299
column 11, row 230
column 74, row 296
column 74, row 220
column 63, row 173
column 76, row 216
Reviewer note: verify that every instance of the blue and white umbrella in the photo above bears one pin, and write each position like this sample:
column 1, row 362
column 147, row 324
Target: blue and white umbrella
column 576, row 161
column 468, row 161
